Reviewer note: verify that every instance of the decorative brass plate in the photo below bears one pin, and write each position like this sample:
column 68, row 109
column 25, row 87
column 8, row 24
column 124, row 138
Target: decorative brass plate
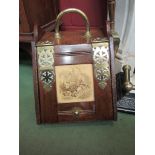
column 101, row 61
column 74, row 83
column 45, row 52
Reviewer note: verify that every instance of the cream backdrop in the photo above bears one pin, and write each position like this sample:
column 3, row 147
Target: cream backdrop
column 125, row 26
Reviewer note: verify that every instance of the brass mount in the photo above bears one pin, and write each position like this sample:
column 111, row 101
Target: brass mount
column 127, row 85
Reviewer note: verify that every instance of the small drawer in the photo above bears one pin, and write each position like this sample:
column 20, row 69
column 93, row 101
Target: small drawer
column 76, row 114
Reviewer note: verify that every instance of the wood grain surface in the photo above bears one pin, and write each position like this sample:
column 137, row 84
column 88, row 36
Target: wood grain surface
column 73, row 48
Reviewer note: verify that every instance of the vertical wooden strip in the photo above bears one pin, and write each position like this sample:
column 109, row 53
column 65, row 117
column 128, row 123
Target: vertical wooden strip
column 113, row 76
column 35, row 82
column 111, row 11
column 23, row 21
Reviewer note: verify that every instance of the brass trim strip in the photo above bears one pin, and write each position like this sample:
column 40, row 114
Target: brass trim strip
column 101, row 61
column 46, row 71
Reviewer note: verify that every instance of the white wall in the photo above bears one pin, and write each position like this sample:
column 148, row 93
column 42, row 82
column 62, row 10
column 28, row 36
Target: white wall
column 125, row 26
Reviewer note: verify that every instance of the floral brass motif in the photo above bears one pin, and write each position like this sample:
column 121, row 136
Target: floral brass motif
column 45, row 52
column 47, row 77
column 101, row 61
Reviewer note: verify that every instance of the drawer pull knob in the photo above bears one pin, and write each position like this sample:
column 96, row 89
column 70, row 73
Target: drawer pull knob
column 76, row 112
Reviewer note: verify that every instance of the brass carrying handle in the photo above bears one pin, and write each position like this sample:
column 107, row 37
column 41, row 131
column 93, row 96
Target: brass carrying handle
column 127, row 85
column 72, row 10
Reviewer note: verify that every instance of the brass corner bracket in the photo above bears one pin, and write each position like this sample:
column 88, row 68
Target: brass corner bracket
column 46, row 71
column 100, row 47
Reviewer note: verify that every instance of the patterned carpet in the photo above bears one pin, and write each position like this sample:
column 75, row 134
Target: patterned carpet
column 127, row 103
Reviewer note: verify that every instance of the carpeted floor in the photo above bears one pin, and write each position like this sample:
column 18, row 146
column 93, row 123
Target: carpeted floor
column 93, row 138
